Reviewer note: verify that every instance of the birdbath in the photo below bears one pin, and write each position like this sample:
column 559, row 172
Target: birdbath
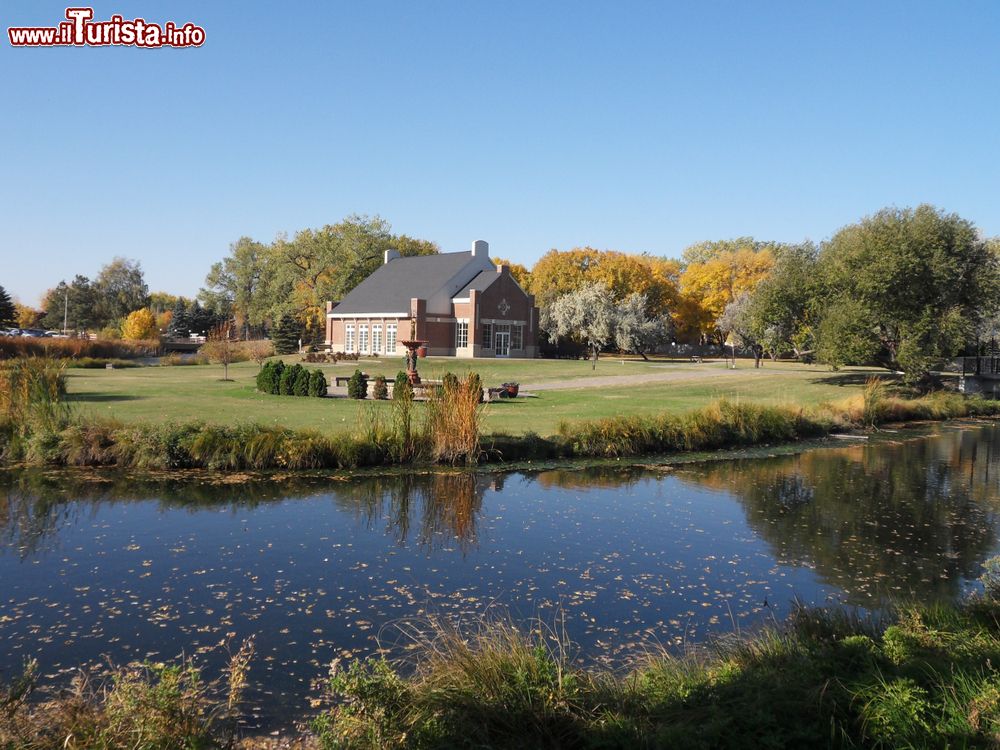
column 411, row 359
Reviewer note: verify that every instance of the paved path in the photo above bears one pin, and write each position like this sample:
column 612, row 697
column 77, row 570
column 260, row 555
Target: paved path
column 674, row 374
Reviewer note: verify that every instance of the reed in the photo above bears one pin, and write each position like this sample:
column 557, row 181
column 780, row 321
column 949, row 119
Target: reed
column 919, row 677
column 18, row 346
column 454, row 415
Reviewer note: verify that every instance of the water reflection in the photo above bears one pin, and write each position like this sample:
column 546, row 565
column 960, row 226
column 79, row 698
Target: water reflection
column 428, row 510
column 95, row 565
column 906, row 519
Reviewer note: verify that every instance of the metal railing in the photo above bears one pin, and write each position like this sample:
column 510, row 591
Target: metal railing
column 988, row 366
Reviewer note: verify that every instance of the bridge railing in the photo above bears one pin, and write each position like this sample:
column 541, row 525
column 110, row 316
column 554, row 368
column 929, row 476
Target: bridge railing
column 980, row 366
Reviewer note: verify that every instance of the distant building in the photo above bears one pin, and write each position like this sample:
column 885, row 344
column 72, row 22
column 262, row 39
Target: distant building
column 462, row 304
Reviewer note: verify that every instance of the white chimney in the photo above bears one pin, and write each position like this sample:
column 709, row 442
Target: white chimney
column 480, row 249
column 391, row 254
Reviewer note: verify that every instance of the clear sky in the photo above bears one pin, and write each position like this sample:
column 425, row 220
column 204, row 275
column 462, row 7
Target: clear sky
column 631, row 126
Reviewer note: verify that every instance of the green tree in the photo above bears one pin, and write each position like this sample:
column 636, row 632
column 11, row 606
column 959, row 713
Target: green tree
column 180, row 321
column 782, row 310
column 76, row 303
column 8, row 314
column 286, row 335
column 922, row 280
column 233, row 286
column 120, row 288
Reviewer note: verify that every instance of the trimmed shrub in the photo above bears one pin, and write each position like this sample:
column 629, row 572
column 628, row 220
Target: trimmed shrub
column 357, row 386
column 287, row 380
column 266, row 378
column 380, row 390
column 401, row 387
column 317, row 384
column 301, row 385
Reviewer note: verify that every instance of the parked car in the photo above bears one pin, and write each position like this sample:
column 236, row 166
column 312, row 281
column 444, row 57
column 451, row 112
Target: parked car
column 32, row 333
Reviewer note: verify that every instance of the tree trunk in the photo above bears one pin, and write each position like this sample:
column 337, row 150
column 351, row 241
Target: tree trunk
column 594, row 362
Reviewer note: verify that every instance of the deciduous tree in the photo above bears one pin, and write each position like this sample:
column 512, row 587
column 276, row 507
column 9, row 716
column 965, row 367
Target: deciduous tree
column 638, row 331
column 139, row 325
column 120, row 288
column 919, row 281
column 589, row 313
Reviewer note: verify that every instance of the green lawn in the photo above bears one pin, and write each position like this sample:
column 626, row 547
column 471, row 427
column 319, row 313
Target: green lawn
column 160, row 394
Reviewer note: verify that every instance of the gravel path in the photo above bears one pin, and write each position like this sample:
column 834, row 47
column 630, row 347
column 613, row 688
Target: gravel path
column 674, row 374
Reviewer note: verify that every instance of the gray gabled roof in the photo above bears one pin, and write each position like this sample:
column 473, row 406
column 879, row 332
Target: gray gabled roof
column 391, row 287
column 481, row 282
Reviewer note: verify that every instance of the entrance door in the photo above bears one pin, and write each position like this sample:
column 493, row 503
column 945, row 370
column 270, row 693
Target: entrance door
column 502, row 344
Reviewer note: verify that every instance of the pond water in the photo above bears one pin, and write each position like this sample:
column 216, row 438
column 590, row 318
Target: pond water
column 96, row 566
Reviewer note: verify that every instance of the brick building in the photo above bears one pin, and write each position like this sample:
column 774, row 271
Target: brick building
column 462, row 304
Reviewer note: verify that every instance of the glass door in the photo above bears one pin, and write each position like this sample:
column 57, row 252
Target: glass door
column 502, row 344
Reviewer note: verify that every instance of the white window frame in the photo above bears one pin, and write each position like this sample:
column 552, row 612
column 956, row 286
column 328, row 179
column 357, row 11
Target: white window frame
column 362, row 338
column 348, row 338
column 376, row 338
column 390, row 338
column 461, row 334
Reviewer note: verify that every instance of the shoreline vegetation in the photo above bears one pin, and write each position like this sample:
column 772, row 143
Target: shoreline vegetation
column 38, row 428
column 915, row 677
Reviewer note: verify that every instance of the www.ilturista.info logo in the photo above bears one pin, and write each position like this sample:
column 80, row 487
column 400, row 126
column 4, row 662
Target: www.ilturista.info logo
column 80, row 30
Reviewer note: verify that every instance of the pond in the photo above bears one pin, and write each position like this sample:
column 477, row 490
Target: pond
column 97, row 566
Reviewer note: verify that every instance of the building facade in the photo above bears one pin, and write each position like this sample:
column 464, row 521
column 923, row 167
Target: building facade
column 461, row 304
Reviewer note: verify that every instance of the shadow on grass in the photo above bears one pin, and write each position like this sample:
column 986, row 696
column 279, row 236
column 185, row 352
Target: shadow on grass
column 854, row 378
column 94, row 398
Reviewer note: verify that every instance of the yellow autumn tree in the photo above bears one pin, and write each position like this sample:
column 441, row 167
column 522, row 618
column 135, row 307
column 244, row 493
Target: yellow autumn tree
column 519, row 271
column 719, row 276
column 140, row 325
column 561, row 271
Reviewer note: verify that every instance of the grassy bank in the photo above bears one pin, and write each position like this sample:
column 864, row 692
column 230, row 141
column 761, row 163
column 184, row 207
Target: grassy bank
column 52, row 434
column 918, row 678
column 181, row 394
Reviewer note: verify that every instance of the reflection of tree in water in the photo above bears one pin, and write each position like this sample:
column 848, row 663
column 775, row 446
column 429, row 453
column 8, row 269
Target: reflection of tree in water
column 35, row 505
column 444, row 506
column 880, row 521
column 589, row 477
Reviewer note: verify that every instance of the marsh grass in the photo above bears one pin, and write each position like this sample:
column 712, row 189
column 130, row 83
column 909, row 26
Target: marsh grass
column 138, row 706
column 922, row 677
column 17, row 346
column 454, row 415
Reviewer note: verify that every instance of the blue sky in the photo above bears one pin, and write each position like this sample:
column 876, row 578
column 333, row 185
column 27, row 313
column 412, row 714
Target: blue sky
column 631, row 126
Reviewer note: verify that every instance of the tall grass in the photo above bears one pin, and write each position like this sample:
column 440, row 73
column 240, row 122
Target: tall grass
column 454, row 415
column 20, row 346
column 923, row 677
column 38, row 428
column 139, row 706
column 722, row 424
